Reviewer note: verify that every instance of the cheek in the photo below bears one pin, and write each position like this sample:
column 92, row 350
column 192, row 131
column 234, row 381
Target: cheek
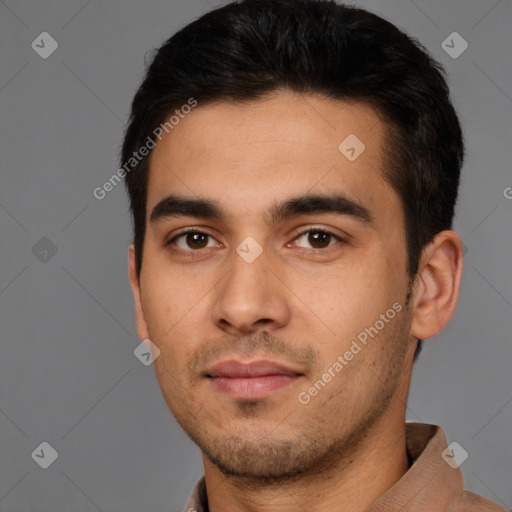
column 168, row 294
column 347, row 292
column 174, row 307
column 165, row 302
column 348, row 301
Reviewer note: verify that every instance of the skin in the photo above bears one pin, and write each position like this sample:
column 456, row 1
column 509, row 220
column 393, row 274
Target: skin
column 301, row 303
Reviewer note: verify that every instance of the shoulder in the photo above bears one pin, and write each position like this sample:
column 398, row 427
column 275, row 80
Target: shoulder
column 471, row 502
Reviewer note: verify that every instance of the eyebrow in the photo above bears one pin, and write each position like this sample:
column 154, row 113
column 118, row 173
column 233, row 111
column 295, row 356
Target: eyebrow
column 308, row 204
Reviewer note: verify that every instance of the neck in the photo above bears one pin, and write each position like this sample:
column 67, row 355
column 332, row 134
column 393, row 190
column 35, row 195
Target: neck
column 377, row 462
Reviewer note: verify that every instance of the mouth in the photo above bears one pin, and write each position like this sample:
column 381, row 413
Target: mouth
column 253, row 380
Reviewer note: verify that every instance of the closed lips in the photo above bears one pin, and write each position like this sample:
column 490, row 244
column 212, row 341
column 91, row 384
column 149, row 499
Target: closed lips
column 235, row 369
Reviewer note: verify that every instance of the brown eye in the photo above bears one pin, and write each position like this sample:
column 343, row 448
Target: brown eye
column 196, row 240
column 317, row 239
column 191, row 240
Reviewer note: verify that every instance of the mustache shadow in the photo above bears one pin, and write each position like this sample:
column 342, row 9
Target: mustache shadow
column 262, row 345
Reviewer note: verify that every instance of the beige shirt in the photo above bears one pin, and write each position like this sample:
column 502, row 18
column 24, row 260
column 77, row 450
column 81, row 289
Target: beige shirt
column 430, row 484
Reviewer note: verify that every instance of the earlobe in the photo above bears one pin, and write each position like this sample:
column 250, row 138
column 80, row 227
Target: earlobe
column 436, row 287
column 142, row 328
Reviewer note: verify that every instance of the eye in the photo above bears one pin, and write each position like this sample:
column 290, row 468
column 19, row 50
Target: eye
column 317, row 238
column 191, row 240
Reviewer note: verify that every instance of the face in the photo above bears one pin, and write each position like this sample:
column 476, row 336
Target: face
column 277, row 298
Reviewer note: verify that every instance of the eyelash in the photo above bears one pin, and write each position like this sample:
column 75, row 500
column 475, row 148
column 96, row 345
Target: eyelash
column 297, row 235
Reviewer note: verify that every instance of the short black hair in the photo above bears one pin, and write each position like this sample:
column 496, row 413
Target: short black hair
column 246, row 50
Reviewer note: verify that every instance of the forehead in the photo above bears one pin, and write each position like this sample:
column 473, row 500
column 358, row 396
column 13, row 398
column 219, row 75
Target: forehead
column 246, row 155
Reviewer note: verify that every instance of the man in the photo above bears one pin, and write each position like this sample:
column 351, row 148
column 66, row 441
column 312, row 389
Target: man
column 293, row 169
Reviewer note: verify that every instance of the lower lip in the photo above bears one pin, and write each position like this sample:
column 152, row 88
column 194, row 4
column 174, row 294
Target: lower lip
column 252, row 387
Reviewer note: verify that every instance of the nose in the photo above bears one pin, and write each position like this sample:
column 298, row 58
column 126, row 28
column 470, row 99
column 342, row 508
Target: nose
column 251, row 297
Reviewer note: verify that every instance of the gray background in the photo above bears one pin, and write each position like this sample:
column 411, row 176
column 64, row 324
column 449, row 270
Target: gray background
column 68, row 373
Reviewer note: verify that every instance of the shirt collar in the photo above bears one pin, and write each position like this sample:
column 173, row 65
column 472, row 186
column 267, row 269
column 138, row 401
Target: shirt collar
column 428, row 486
column 430, row 483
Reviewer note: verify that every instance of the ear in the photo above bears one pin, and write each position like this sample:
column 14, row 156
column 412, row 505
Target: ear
column 142, row 328
column 437, row 285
